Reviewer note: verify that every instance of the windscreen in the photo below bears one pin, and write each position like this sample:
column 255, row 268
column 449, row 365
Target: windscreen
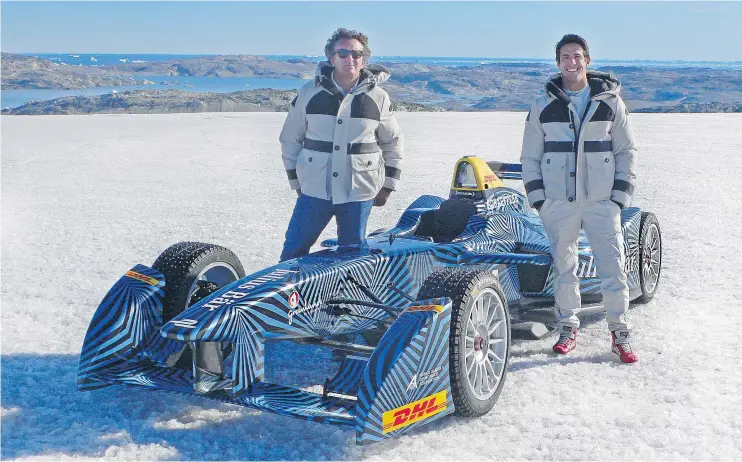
column 465, row 177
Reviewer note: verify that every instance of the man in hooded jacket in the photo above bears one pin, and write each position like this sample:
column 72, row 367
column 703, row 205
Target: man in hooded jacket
column 578, row 171
column 342, row 146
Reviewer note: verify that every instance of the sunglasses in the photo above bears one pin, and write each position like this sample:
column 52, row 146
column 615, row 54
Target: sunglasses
column 343, row 53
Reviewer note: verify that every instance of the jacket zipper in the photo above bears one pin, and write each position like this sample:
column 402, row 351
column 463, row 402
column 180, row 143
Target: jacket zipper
column 577, row 138
column 574, row 127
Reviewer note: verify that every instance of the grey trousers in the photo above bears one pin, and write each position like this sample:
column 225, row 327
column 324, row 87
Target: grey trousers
column 601, row 221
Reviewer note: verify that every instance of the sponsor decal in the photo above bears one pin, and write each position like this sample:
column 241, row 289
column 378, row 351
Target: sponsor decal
column 502, row 201
column 229, row 298
column 632, row 262
column 143, row 278
column 224, row 299
column 488, row 178
column 294, row 299
column 424, row 378
column 413, row 412
column 436, row 308
column 465, row 193
column 587, row 268
column 306, row 308
column 275, row 275
column 188, row 323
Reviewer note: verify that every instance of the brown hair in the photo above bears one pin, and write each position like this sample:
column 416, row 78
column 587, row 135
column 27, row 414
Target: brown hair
column 347, row 34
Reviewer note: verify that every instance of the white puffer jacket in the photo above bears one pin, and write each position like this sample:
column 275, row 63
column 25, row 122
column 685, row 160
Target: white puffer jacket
column 596, row 163
column 355, row 136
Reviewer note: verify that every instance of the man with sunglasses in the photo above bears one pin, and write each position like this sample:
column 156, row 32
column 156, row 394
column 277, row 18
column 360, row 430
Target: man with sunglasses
column 342, row 146
column 578, row 171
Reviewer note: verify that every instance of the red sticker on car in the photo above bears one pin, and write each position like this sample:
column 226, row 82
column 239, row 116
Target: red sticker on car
column 294, row 299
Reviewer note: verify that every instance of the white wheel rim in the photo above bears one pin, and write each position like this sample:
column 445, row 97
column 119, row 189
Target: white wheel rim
column 651, row 258
column 220, row 273
column 486, row 344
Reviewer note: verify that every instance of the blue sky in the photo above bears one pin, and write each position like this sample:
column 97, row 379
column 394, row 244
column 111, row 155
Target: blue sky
column 614, row 30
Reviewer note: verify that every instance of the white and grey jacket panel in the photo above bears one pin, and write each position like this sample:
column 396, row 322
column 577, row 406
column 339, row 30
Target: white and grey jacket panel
column 357, row 135
column 597, row 164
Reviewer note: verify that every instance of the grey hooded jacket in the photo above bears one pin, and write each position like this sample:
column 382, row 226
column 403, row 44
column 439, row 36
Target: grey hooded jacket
column 596, row 163
column 355, row 136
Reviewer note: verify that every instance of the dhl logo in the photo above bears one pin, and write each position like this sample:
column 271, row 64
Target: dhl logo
column 143, row 278
column 413, row 412
column 436, row 308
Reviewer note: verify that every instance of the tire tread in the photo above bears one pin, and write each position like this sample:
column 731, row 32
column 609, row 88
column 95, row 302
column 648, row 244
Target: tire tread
column 647, row 218
column 178, row 263
column 456, row 284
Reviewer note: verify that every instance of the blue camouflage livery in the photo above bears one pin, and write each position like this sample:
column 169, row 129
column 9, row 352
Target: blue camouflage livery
column 379, row 390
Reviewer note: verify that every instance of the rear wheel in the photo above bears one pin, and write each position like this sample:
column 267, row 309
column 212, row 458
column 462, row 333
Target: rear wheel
column 650, row 256
column 479, row 342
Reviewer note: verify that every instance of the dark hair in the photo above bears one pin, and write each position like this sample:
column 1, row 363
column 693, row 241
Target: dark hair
column 572, row 38
column 347, row 34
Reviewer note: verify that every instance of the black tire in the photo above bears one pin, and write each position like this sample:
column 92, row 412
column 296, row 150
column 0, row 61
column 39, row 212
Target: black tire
column 650, row 254
column 192, row 271
column 465, row 287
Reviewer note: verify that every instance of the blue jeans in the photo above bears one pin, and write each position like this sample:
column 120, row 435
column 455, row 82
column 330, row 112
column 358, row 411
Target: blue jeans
column 310, row 217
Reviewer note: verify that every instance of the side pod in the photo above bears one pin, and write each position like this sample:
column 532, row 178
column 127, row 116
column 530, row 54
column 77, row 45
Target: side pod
column 127, row 319
column 405, row 383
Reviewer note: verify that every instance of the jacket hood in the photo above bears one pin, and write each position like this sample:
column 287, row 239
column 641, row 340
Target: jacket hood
column 600, row 83
column 372, row 75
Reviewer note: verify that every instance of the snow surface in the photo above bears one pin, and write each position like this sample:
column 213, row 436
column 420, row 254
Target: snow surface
column 85, row 198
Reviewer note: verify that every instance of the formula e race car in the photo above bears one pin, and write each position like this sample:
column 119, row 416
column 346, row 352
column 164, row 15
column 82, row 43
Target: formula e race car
column 431, row 304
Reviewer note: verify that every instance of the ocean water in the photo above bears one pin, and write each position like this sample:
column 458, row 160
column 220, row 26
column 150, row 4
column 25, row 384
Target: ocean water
column 15, row 98
column 87, row 59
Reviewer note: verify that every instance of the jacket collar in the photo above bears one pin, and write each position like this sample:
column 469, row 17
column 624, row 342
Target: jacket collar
column 602, row 84
column 371, row 75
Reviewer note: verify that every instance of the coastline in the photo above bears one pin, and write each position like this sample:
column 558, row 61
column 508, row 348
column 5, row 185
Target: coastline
column 208, row 84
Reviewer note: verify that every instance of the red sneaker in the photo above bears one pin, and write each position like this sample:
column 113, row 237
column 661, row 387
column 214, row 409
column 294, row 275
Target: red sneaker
column 567, row 340
column 622, row 347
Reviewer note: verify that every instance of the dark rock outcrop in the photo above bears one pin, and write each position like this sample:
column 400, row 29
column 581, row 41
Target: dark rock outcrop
column 222, row 66
column 509, row 86
column 695, row 107
column 174, row 101
column 28, row 72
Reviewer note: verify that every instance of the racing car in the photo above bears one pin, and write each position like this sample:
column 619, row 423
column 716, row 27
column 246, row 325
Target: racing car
column 422, row 316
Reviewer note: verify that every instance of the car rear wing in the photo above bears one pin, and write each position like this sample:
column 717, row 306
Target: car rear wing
column 506, row 171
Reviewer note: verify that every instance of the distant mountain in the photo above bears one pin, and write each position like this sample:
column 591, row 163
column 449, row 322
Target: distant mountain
column 485, row 87
column 222, row 66
column 175, row 101
column 695, row 107
column 20, row 72
column 161, row 101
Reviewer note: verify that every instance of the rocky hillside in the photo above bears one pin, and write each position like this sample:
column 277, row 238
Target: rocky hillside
column 509, row 86
column 175, row 101
column 695, row 107
column 222, row 66
column 28, row 72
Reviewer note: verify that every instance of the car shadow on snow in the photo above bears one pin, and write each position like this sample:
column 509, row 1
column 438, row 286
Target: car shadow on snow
column 45, row 415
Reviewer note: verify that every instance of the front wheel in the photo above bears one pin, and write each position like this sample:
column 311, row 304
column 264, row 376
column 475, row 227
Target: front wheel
column 479, row 342
column 192, row 271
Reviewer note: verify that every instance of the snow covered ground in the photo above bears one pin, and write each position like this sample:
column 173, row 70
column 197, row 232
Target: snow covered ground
column 84, row 198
